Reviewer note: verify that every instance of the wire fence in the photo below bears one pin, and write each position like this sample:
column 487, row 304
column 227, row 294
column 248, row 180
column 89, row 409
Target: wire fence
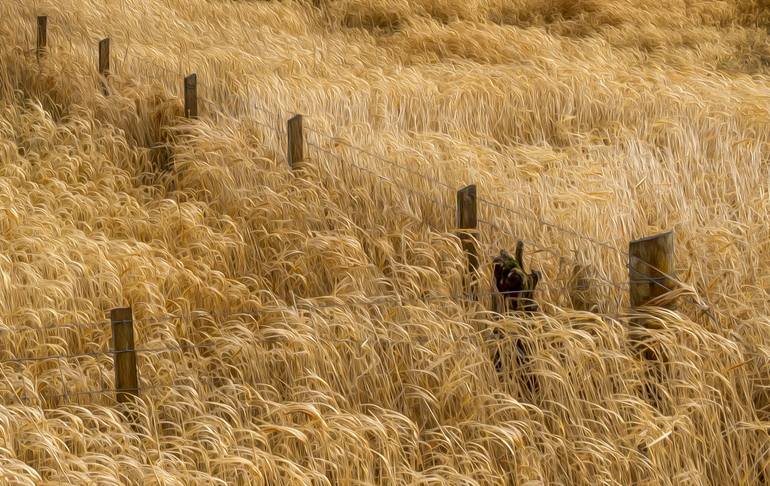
column 490, row 340
column 604, row 281
column 180, row 72
column 382, row 300
column 108, row 393
column 183, row 66
column 110, row 352
column 432, row 180
column 343, row 301
column 74, row 326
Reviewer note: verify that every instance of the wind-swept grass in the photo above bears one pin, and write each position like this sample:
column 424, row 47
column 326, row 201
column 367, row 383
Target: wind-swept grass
column 325, row 334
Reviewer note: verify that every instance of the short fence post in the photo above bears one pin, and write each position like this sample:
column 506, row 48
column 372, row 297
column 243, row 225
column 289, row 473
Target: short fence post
column 191, row 96
column 295, row 141
column 467, row 219
column 42, row 35
column 104, row 63
column 651, row 263
column 124, row 357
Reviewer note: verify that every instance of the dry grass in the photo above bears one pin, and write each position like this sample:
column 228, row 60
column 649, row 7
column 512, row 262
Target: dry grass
column 614, row 119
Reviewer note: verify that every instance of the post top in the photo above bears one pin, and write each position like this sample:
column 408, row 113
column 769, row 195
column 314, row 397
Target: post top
column 654, row 237
column 121, row 313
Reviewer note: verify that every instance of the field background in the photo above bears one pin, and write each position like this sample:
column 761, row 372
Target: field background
column 611, row 119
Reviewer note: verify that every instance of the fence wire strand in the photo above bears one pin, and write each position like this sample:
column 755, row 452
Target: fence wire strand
column 382, row 177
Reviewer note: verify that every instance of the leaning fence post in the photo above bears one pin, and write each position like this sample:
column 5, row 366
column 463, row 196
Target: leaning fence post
column 42, row 35
column 650, row 266
column 467, row 223
column 295, row 141
column 126, row 379
column 104, row 63
column 191, row 96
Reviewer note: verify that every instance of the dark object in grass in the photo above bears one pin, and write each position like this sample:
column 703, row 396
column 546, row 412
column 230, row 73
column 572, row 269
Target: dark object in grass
column 518, row 288
column 513, row 282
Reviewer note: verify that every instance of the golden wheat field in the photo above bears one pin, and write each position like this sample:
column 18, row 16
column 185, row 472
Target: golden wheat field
column 314, row 326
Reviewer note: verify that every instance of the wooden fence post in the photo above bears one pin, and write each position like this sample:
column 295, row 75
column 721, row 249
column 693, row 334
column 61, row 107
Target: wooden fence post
column 104, row 63
column 126, row 379
column 648, row 257
column 295, row 141
column 42, row 35
column 467, row 219
column 191, row 96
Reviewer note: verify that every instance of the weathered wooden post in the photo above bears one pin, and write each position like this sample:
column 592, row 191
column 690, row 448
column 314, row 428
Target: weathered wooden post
column 126, row 378
column 651, row 263
column 467, row 224
column 295, row 141
column 42, row 35
column 104, row 63
column 191, row 96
